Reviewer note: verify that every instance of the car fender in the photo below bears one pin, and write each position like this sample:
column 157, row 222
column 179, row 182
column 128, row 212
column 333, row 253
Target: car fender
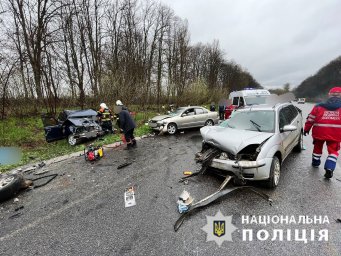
column 273, row 150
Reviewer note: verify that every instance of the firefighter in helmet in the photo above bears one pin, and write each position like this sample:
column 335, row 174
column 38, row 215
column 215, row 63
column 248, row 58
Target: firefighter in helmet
column 105, row 117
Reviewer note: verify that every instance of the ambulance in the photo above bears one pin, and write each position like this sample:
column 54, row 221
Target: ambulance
column 248, row 96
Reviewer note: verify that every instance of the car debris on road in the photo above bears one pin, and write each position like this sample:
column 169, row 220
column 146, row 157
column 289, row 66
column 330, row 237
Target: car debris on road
column 129, row 197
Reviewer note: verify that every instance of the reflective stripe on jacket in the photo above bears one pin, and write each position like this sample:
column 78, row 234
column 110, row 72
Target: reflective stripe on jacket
column 325, row 124
column 105, row 114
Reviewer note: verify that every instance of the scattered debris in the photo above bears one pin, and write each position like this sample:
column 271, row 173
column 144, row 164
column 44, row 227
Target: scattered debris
column 182, row 132
column 15, row 215
column 29, row 169
column 216, row 195
column 41, row 165
column 53, row 176
column 186, row 182
column 124, row 165
column 129, row 197
column 41, row 172
column 188, row 173
column 184, row 202
column 19, row 208
column 16, row 200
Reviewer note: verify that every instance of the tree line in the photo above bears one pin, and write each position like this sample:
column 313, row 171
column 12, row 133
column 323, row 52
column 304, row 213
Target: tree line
column 82, row 52
column 316, row 87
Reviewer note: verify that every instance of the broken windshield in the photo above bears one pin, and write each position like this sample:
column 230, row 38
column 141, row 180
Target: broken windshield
column 260, row 120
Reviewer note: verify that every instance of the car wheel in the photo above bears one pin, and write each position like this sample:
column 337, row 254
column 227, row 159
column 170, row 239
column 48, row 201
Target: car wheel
column 72, row 140
column 10, row 185
column 298, row 148
column 275, row 173
column 172, row 128
column 209, row 122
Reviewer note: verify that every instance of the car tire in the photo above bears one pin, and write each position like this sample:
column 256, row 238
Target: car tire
column 72, row 140
column 298, row 148
column 209, row 122
column 275, row 173
column 10, row 185
column 172, row 128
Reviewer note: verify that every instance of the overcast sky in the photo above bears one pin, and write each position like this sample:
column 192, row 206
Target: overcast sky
column 277, row 41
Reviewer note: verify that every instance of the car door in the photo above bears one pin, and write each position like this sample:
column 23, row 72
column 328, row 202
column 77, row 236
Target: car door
column 200, row 117
column 54, row 132
column 187, row 119
column 288, row 138
column 296, row 121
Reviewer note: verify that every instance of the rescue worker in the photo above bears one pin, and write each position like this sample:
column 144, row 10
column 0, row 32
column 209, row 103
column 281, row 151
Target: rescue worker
column 325, row 118
column 127, row 125
column 221, row 110
column 105, row 117
column 228, row 111
column 212, row 107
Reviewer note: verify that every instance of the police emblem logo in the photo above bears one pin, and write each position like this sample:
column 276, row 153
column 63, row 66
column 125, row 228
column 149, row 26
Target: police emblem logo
column 219, row 228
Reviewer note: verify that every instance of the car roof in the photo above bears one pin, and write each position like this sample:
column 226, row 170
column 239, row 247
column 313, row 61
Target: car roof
column 191, row 107
column 264, row 106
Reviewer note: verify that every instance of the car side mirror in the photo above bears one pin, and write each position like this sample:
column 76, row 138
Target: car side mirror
column 289, row 128
column 184, row 114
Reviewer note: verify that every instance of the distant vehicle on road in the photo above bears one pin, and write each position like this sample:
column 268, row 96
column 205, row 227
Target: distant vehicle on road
column 75, row 125
column 254, row 142
column 301, row 101
column 182, row 118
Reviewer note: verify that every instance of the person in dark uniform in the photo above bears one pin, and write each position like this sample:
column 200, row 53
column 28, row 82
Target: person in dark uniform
column 212, row 107
column 105, row 117
column 127, row 125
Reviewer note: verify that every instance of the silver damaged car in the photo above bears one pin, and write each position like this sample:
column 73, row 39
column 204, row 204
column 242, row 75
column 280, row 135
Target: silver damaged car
column 182, row 118
column 254, row 142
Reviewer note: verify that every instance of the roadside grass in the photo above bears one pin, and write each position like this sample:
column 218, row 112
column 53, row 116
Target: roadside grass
column 28, row 135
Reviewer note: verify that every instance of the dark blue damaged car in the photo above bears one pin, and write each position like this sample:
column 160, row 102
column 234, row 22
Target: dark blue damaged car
column 75, row 125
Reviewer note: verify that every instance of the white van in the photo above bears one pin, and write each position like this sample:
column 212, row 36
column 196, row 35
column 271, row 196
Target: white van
column 249, row 97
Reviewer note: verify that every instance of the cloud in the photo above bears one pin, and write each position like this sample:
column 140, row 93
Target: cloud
column 276, row 41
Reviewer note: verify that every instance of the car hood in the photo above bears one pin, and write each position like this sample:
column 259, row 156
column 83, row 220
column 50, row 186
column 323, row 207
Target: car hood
column 232, row 140
column 159, row 118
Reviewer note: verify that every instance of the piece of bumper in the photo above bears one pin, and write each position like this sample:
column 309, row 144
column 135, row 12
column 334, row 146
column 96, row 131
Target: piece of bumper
column 251, row 170
column 157, row 127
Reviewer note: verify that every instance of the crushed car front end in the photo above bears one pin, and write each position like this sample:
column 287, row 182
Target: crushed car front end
column 159, row 123
column 242, row 144
column 247, row 164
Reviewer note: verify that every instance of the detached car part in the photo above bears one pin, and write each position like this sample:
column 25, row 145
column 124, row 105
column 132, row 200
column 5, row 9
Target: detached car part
column 215, row 196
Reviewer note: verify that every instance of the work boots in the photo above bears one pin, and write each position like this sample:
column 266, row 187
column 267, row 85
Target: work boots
column 129, row 146
column 328, row 174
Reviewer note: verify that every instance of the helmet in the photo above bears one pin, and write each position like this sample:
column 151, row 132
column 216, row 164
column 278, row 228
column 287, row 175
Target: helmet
column 119, row 103
column 103, row 105
column 335, row 92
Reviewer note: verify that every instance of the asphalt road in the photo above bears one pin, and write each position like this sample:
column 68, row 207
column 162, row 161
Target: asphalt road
column 82, row 211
